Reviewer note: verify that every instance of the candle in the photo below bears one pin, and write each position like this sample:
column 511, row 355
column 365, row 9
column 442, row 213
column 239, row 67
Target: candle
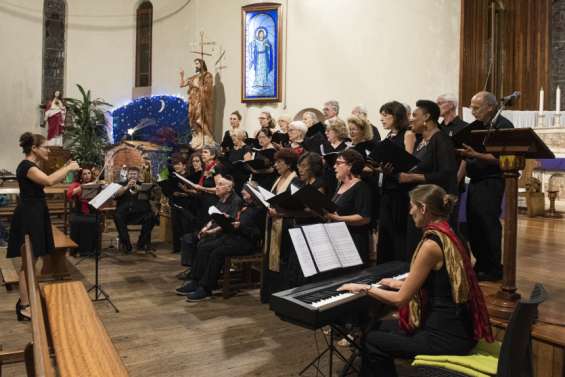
column 541, row 101
column 558, row 100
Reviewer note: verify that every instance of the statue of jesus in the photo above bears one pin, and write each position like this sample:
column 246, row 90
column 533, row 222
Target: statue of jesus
column 200, row 99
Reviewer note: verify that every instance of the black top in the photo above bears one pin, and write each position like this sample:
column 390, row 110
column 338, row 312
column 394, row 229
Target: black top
column 390, row 182
column 479, row 169
column 376, row 134
column 280, row 138
column 437, row 162
column 231, row 206
column 318, row 128
column 456, row 125
column 252, row 222
column 227, row 142
column 265, row 180
column 239, row 171
column 28, row 188
column 443, row 315
column 364, row 148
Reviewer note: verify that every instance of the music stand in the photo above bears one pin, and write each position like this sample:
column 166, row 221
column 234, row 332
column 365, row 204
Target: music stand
column 96, row 203
column 512, row 147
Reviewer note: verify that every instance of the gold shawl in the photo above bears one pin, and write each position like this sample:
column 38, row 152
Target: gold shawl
column 457, row 276
column 273, row 247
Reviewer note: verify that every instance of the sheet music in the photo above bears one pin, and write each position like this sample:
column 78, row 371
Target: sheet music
column 259, row 196
column 214, row 209
column 266, row 194
column 302, row 252
column 321, row 246
column 293, row 189
column 190, row 183
column 343, row 244
column 105, row 195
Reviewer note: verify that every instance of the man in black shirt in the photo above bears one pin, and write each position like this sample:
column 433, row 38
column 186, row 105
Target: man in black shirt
column 451, row 123
column 485, row 192
column 134, row 208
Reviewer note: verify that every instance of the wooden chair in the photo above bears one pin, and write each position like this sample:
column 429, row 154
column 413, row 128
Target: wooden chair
column 238, row 273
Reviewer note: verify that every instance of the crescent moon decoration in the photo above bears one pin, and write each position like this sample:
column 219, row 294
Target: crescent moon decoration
column 162, row 106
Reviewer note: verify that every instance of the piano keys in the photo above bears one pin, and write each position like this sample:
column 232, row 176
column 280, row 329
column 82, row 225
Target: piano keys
column 319, row 304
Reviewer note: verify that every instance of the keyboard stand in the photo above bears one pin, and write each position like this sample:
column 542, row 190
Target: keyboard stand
column 335, row 332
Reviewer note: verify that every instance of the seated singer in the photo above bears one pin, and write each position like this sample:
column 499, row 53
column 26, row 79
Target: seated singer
column 83, row 222
column 248, row 229
column 209, row 236
column 133, row 209
column 442, row 309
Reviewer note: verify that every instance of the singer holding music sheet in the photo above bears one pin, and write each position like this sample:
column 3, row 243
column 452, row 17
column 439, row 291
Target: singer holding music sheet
column 84, row 227
column 31, row 215
column 336, row 137
column 437, row 163
column 485, row 192
column 394, row 195
column 277, row 246
column 353, row 200
column 442, row 309
column 133, row 208
column 267, row 176
column 237, row 153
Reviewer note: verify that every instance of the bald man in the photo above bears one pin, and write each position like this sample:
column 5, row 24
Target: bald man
column 485, row 192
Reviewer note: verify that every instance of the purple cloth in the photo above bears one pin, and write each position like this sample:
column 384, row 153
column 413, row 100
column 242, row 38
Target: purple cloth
column 556, row 164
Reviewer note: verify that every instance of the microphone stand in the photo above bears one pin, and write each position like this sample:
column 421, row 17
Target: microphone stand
column 492, row 122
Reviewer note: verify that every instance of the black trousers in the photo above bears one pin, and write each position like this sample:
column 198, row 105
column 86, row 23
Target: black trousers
column 484, row 199
column 183, row 222
column 84, row 231
column 190, row 244
column 387, row 342
column 210, row 257
column 137, row 214
column 392, row 226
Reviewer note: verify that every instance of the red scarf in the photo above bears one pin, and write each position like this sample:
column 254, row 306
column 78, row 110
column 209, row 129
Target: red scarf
column 207, row 168
column 476, row 302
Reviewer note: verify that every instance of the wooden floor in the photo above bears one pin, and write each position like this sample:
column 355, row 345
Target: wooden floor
column 160, row 334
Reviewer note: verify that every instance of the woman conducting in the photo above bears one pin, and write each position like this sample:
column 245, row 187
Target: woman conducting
column 31, row 216
column 442, row 309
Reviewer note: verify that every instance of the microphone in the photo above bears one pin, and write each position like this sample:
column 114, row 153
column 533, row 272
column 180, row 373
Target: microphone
column 509, row 100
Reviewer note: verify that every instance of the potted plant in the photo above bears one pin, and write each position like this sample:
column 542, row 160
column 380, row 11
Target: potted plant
column 86, row 137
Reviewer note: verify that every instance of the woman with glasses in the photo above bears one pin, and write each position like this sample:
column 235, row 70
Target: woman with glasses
column 353, row 200
column 31, row 216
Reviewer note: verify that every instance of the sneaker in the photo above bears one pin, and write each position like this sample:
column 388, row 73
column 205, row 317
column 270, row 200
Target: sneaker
column 198, row 295
column 187, row 288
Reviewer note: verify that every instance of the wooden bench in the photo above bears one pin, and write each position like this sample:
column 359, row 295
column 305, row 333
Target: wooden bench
column 55, row 265
column 79, row 340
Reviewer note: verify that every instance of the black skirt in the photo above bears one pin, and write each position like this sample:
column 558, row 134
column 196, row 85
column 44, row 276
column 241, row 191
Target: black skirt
column 31, row 216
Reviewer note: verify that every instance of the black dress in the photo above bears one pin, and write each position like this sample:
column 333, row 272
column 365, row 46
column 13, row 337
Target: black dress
column 439, row 167
column 265, row 179
column 365, row 148
column 356, row 201
column 31, row 216
column 330, row 155
column 447, row 328
column 393, row 213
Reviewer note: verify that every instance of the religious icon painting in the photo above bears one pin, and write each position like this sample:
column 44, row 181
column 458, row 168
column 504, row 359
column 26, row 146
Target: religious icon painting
column 261, row 35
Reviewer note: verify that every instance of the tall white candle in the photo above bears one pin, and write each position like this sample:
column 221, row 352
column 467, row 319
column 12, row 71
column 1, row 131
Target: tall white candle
column 541, row 101
column 558, row 100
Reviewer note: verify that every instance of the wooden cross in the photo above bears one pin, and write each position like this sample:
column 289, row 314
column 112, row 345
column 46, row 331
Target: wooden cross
column 202, row 46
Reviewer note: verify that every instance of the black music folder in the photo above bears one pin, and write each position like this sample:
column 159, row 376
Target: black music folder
column 257, row 164
column 329, row 157
column 388, row 152
column 298, row 199
column 464, row 136
column 324, row 247
column 221, row 219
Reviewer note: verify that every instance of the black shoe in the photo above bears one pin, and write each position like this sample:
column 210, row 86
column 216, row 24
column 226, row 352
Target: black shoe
column 187, row 288
column 184, row 275
column 21, row 316
column 198, row 295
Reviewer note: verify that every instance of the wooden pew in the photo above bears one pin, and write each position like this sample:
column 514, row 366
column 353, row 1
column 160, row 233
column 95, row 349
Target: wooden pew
column 81, row 345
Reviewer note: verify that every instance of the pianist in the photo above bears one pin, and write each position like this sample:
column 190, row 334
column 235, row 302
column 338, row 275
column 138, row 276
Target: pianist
column 441, row 307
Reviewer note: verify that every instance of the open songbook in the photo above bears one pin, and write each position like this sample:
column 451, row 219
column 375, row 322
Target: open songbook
column 388, row 152
column 324, row 247
column 298, row 199
column 190, row 183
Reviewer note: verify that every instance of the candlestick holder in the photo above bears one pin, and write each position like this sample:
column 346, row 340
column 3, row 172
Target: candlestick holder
column 557, row 121
column 541, row 120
